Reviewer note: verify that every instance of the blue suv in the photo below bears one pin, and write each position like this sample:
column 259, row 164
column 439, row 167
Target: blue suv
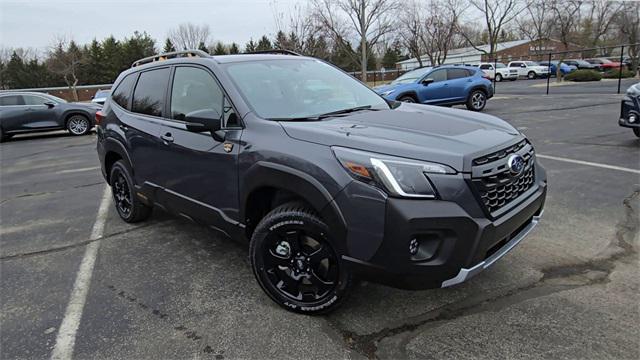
column 441, row 85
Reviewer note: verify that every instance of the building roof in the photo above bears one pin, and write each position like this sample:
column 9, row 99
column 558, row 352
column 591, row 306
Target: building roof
column 470, row 50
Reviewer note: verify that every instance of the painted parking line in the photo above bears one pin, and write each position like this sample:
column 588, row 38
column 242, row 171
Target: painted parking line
column 589, row 163
column 66, row 338
column 69, row 171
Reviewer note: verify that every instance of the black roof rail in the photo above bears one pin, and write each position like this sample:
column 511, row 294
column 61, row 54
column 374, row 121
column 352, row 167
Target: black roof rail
column 275, row 51
column 170, row 55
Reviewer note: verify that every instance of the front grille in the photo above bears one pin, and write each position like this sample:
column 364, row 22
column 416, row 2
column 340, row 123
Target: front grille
column 494, row 182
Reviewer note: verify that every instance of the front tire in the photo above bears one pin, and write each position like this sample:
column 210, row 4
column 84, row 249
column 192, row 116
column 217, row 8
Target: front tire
column 295, row 262
column 407, row 99
column 78, row 125
column 531, row 75
column 129, row 207
column 498, row 78
column 636, row 131
column 477, row 100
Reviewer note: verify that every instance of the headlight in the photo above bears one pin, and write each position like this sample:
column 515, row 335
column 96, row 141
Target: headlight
column 399, row 177
column 386, row 93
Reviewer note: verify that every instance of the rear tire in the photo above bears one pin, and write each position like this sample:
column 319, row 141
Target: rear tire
column 129, row 207
column 295, row 262
column 78, row 125
column 636, row 131
column 477, row 100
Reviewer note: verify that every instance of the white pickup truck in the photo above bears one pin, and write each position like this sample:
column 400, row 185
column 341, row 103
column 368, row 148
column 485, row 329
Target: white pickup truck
column 529, row 69
column 498, row 70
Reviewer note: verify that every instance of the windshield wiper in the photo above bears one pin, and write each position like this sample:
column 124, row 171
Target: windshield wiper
column 326, row 115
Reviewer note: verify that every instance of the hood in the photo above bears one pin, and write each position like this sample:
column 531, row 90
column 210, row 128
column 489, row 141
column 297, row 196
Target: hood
column 395, row 87
column 540, row 67
column 448, row 136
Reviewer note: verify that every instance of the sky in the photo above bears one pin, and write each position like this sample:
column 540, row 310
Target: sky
column 37, row 23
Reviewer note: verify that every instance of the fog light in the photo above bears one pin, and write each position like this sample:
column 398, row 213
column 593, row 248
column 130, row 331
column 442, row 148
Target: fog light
column 413, row 247
column 633, row 118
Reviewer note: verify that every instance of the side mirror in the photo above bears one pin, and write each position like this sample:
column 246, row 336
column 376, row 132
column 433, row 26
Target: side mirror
column 203, row 120
column 426, row 82
column 523, row 65
column 50, row 104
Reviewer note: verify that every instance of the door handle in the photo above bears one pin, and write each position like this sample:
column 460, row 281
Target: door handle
column 167, row 138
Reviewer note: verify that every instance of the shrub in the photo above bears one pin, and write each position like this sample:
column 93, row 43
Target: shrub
column 583, row 75
column 613, row 74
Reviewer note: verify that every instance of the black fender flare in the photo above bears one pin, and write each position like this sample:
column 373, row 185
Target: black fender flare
column 269, row 174
column 113, row 145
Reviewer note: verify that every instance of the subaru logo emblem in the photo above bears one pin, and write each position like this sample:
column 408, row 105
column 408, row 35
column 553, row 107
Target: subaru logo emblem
column 515, row 164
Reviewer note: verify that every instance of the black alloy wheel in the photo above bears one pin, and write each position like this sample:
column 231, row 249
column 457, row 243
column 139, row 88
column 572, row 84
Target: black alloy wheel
column 295, row 263
column 129, row 207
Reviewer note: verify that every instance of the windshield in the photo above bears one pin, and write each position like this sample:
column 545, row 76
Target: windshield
column 531, row 63
column 411, row 76
column 299, row 88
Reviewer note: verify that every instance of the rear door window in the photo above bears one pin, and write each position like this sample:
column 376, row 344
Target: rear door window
column 453, row 74
column 149, row 95
column 11, row 100
column 123, row 92
column 34, row 100
column 514, row 64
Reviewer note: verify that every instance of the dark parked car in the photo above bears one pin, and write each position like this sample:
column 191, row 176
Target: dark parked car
column 441, row 85
column 323, row 178
column 25, row 112
column 630, row 109
column 603, row 64
column 581, row 64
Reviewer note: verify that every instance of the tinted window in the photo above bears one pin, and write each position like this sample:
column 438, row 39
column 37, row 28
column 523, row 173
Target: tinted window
column 34, row 100
column 11, row 100
column 514, row 64
column 457, row 74
column 485, row 67
column 123, row 91
column 438, row 75
column 148, row 97
column 194, row 89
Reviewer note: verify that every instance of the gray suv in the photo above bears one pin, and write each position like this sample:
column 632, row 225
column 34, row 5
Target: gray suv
column 324, row 179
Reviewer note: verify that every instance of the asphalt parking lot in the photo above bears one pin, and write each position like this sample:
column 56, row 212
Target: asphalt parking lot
column 167, row 288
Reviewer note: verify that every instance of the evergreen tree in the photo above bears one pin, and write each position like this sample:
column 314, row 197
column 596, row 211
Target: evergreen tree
column 168, row 46
column 233, row 49
column 250, row 47
column 112, row 58
column 281, row 41
column 264, row 44
column 220, row 49
column 16, row 73
column 391, row 57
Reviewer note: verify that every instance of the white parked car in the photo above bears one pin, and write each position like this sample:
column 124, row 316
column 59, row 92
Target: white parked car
column 499, row 70
column 529, row 69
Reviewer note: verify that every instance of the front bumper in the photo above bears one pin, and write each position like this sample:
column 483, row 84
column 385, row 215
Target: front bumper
column 457, row 238
column 630, row 108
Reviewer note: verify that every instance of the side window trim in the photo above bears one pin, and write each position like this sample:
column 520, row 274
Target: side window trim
column 225, row 95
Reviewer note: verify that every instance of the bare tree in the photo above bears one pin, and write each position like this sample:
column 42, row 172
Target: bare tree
column 439, row 29
column 600, row 18
column 364, row 20
column 496, row 15
column 411, row 30
column 628, row 23
column 535, row 22
column 566, row 17
column 188, row 36
column 65, row 59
